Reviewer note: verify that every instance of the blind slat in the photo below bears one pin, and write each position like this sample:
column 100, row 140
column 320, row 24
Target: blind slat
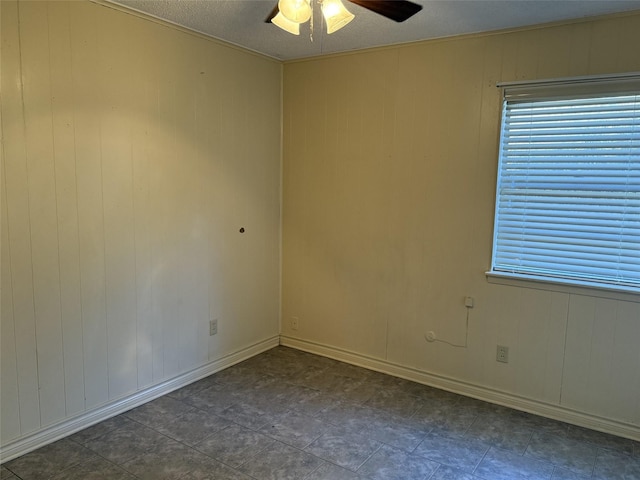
column 568, row 196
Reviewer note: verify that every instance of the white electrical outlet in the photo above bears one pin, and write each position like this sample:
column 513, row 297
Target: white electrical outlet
column 213, row 327
column 502, row 354
column 294, row 323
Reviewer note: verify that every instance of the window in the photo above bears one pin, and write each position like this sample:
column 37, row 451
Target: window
column 568, row 192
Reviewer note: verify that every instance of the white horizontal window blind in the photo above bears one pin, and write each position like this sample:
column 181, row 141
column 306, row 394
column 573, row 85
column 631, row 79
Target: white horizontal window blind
column 568, row 195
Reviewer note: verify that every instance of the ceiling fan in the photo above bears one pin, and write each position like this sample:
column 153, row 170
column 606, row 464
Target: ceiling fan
column 290, row 14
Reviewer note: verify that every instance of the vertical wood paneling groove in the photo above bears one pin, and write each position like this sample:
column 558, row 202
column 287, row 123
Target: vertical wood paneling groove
column 67, row 204
column 117, row 190
column 564, row 352
column 140, row 201
column 19, row 227
column 86, row 93
column 9, row 393
column 100, row 81
column 42, row 211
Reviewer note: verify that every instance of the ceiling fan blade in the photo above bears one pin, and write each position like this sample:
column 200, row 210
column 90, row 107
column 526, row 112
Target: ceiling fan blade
column 273, row 13
column 398, row 10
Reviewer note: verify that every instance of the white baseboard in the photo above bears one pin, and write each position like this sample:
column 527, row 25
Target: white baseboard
column 479, row 392
column 72, row 425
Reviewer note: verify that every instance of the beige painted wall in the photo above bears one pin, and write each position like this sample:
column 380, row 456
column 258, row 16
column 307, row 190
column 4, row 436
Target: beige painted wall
column 389, row 179
column 133, row 153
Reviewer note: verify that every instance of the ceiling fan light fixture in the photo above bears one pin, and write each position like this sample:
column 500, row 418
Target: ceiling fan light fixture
column 296, row 11
column 336, row 15
column 285, row 24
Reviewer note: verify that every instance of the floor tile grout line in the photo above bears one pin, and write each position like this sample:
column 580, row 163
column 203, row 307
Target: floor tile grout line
column 473, row 472
column 368, row 458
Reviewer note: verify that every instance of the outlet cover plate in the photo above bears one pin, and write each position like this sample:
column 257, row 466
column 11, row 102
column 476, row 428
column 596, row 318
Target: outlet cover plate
column 213, row 327
column 502, row 354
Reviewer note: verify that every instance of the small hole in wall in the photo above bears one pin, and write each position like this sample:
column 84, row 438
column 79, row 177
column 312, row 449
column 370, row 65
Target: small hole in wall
column 241, row 229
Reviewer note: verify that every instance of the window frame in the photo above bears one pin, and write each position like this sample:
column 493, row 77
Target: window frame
column 554, row 89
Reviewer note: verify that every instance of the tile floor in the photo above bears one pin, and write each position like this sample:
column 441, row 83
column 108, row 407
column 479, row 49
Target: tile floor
column 287, row 414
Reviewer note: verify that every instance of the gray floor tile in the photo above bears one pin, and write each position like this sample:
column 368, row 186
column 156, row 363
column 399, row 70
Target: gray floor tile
column 214, row 398
column 193, row 427
column 328, row 471
column 210, row 469
column 128, row 441
column 95, row 469
column 390, row 429
column 390, row 402
column 351, row 371
column 243, row 377
column 384, row 381
column 278, row 364
column 396, row 432
column 309, row 401
column 455, row 451
column 234, row 445
column 347, row 414
column 616, row 466
column 389, row 463
column 504, row 465
column 501, row 432
column 602, row 440
column 95, row 431
column 361, row 391
column 339, row 386
column 291, row 395
column 477, row 407
column 539, row 424
column 443, row 415
column 269, row 399
column 305, row 376
column 281, row 462
column 571, row 454
column 344, row 448
column 295, row 429
column 429, row 393
column 193, row 388
column 159, row 411
column 560, row 473
column 166, row 462
column 49, row 460
column 444, row 472
column 312, row 405
column 248, row 415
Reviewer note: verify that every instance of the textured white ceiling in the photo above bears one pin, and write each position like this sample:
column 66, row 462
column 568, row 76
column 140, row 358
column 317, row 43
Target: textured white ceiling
column 241, row 22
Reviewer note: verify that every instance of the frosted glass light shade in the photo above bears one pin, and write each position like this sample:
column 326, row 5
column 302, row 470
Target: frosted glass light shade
column 297, row 11
column 285, row 24
column 336, row 15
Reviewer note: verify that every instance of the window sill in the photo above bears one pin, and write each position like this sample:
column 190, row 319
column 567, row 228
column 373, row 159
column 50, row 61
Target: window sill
column 627, row 294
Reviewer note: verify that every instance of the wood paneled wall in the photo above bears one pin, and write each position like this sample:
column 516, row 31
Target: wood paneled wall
column 390, row 160
column 132, row 155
